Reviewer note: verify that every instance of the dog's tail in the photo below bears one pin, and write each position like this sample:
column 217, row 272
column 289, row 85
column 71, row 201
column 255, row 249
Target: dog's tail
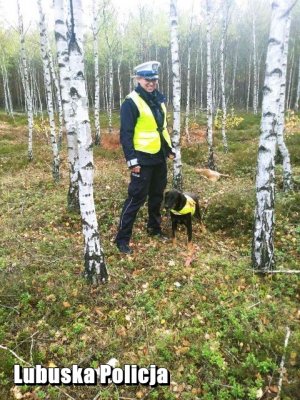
column 197, row 212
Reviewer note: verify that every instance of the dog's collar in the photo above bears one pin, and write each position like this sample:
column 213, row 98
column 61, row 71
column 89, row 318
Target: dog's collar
column 190, row 207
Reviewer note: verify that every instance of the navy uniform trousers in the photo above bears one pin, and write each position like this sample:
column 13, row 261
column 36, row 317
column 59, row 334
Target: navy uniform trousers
column 151, row 181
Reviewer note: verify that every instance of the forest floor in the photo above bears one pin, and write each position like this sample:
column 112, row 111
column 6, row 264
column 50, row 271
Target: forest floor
column 215, row 324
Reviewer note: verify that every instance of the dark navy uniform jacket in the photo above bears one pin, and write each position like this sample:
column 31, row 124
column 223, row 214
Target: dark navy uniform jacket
column 129, row 116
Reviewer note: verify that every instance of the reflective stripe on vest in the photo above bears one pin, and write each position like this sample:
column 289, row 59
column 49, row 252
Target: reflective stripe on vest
column 146, row 137
column 190, row 207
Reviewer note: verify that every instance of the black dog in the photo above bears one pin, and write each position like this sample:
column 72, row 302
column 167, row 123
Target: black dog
column 182, row 207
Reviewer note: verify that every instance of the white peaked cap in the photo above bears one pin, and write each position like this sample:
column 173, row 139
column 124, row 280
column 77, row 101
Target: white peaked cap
column 148, row 70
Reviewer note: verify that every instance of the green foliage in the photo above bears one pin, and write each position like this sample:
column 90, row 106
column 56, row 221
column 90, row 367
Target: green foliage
column 231, row 212
column 220, row 332
column 292, row 122
column 232, row 120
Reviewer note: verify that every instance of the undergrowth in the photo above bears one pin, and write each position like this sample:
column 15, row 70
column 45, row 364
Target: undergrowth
column 218, row 327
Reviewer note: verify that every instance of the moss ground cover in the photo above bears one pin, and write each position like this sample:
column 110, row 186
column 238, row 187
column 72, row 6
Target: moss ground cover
column 218, row 327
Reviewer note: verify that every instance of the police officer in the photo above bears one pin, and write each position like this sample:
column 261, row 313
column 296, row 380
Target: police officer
column 146, row 145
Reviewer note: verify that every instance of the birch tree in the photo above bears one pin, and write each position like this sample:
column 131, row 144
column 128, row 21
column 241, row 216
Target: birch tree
column 201, row 73
column 95, row 268
column 48, row 85
column 210, row 162
column 188, row 85
column 255, row 91
column 286, row 161
column 108, row 17
column 289, row 92
column 196, row 84
column 95, row 29
column 26, row 84
column 222, row 74
column 7, row 96
column 296, row 106
column 61, row 37
column 177, row 164
column 58, row 96
column 264, row 223
column 249, row 85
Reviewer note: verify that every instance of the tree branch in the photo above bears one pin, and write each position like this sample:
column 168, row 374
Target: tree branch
column 286, row 341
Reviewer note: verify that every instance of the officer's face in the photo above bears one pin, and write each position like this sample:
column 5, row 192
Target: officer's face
column 147, row 84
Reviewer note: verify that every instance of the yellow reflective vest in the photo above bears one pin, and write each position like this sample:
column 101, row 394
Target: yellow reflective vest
column 190, row 207
column 146, row 137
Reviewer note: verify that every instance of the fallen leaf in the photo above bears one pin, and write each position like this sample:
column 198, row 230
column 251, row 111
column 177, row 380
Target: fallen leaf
column 189, row 260
column 17, row 393
column 113, row 362
column 122, row 331
column 51, row 364
column 273, row 389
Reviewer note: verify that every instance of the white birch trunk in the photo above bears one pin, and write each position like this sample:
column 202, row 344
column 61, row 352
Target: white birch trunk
column 20, row 86
column 61, row 37
column 254, row 62
column 97, row 80
column 110, row 93
column 58, row 95
column 201, row 74
column 298, row 89
column 120, row 84
column 32, row 85
column 6, row 107
column 47, row 79
column 106, row 89
column 234, row 75
column 249, row 84
column 130, row 79
column 263, row 235
column 39, row 99
column 110, row 71
column 7, row 95
column 222, row 76
column 188, row 86
column 95, row 269
column 26, row 84
column 289, row 95
column 196, row 84
column 286, row 161
column 168, row 79
column 177, row 164
column 23, row 84
column 258, row 80
column 210, row 161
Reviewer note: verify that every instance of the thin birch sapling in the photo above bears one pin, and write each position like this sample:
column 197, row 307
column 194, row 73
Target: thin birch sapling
column 284, row 152
column 177, row 164
column 48, row 88
column 210, row 162
column 26, row 84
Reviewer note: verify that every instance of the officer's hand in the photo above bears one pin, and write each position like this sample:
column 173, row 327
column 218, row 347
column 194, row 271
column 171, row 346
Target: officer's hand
column 136, row 169
column 171, row 156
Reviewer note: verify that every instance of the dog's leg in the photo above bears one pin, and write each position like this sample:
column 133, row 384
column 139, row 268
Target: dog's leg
column 174, row 228
column 189, row 227
column 197, row 212
column 189, row 231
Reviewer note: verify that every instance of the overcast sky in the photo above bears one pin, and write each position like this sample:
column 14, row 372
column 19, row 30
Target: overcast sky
column 8, row 8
